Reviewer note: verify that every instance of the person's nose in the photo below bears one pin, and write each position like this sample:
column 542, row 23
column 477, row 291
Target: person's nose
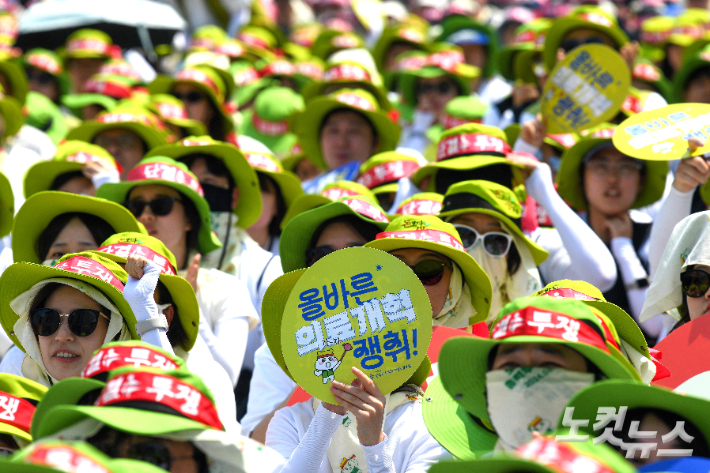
column 63, row 334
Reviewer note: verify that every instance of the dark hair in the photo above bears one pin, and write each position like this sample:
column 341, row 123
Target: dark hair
column 192, row 237
column 176, row 332
column 513, row 259
column 62, row 179
column 499, row 173
column 99, row 228
column 214, row 165
column 699, row 73
column 365, row 229
column 375, row 135
column 217, row 127
column 266, row 183
column 9, row 440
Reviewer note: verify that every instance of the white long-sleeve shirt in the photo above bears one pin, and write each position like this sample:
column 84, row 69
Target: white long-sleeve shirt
column 674, row 208
column 303, row 435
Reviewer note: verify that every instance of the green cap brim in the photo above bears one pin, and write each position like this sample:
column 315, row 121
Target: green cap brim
column 88, row 130
column 42, row 175
column 562, row 26
column 303, row 203
column 463, row 163
column 279, row 144
column 76, row 102
column 7, row 206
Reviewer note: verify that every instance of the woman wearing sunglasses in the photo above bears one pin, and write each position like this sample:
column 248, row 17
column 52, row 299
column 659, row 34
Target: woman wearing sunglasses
column 487, row 217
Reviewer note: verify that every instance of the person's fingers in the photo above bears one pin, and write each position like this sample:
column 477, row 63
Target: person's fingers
column 355, row 391
column 355, row 401
column 367, row 384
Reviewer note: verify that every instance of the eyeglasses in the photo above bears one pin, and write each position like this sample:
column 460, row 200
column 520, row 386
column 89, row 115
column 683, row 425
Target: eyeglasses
column 440, row 87
column 495, row 244
column 314, row 254
column 431, row 271
column 82, row 322
column 695, row 283
column 624, row 169
column 569, row 44
column 154, row 453
column 160, row 207
column 41, row 77
column 123, row 141
column 190, row 97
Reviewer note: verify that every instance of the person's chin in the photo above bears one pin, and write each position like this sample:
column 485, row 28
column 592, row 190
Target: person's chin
column 60, row 370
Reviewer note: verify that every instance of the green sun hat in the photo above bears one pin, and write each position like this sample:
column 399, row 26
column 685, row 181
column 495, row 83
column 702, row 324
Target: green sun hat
column 121, row 67
column 459, row 30
column 330, row 42
column 105, row 90
column 280, row 68
column 582, row 17
column 528, row 37
column 45, row 115
column 561, row 142
column 654, row 34
column 422, row 203
column 249, row 206
column 489, row 198
column 453, row 427
column 268, row 120
column 55, row 456
column 120, row 246
column 428, row 232
column 41, row 208
column 86, row 267
column 458, row 111
column 7, row 206
column 231, row 48
column 309, row 69
column 347, row 74
column 71, row 156
column 206, row 38
column 617, row 393
column 11, row 111
column 16, row 77
column 24, row 394
column 397, row 34
column 171, row 110
column 48, row 61
column 165, row 171
column 126, row 115
column 466, row 380
column 308, row 124
column 299, row 231
column 381, row 172
column 680, row 79
column 406, row 62
column 247, row 81
column 88, row 43
column 260, row 42
column 688, row 27
column 569, row 177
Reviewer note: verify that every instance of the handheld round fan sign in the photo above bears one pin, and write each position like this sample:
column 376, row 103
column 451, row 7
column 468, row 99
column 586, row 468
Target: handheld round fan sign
column 357, row 307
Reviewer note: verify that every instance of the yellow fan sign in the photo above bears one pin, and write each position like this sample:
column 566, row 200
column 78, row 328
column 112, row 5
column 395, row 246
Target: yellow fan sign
column 585, row 89
column 662, row 134
column 357, row 307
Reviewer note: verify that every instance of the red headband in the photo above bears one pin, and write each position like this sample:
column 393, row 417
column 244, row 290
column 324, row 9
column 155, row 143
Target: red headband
column 112, row 358
column 435, row 236
column 387, row 172
column 16, row 411
column 165, row 172
column 469, row 143
column 124, row 250
column 89, row 267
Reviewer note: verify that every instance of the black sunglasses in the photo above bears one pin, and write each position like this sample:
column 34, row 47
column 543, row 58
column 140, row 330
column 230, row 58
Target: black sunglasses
column 314, row 254
column 441, row 88
column 569, row 44
column 41, row 77
column 154, row 453
column 430, row 271
column 160, row 206
column 82, row 322
column 695, row 283
column 190, row 97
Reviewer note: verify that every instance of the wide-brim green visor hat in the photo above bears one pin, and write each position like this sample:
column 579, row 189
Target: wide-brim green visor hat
column 88, row 43
column 20, row 283
column 421, row 203
column 329, row 42
column 11, row 111
column 628, row 395
column 49, row 62
column 586, row 17
column 404, row 34
column 171, row 110
column 40, row 209
column 467, row 147
column 120, row 246
column 299, row 231
column 569, row 176
column 308, row 124
column 17, row 83
column 528, row 36
column 268, row 120
column 249, row 205
column 680, row 78
column 489, row 198
column 428, row 232
column 7, row 206
column 71, row 156
column 126, row 115
column 463, row 362
column 381, row 172
column 21, row 396
column 164, row 171
column 112, row 86
column 462, row 30
column 181, row 403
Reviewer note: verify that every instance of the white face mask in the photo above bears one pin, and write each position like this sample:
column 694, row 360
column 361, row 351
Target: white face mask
column 526, row 400
column 220, row 224
column 497, row 271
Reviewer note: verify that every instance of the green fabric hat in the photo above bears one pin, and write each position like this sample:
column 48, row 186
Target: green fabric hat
column 430, row 233
column 27, row 394
column 71, row 156
column 164, row 171
column 249, row 206
column 397, row 34
column 381, row 172
column 690, row 65
column 121, row 245
column 421, row 203
column 207, row 37
column 267, row 121
column 525, row 63
column 560, row 142
column 655, row 32
column 20, row 277
column 247, row 81
column 308, row 124
column 41, row 208
column 288, row 183
column 171, row 110
column 453, row 427
column 16, row 77
column 585, row 16
column 463, row 362
column 330, row 42
column 148, row 415
column 569, row 177
column 528, row 37
column 125, row 115
column 617, row 393
column 457, row 29
column 405, row 62
column 11, row 111
column 105, row 90
column 77, row 102
column 49, row 62
column 7, row 206
column 88, row 43
column 489, row 198
column 459, row 111
column 46, row 115
column 299, row 231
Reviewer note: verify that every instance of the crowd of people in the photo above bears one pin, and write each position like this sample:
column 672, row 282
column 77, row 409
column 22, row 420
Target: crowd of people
column 155, row 202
